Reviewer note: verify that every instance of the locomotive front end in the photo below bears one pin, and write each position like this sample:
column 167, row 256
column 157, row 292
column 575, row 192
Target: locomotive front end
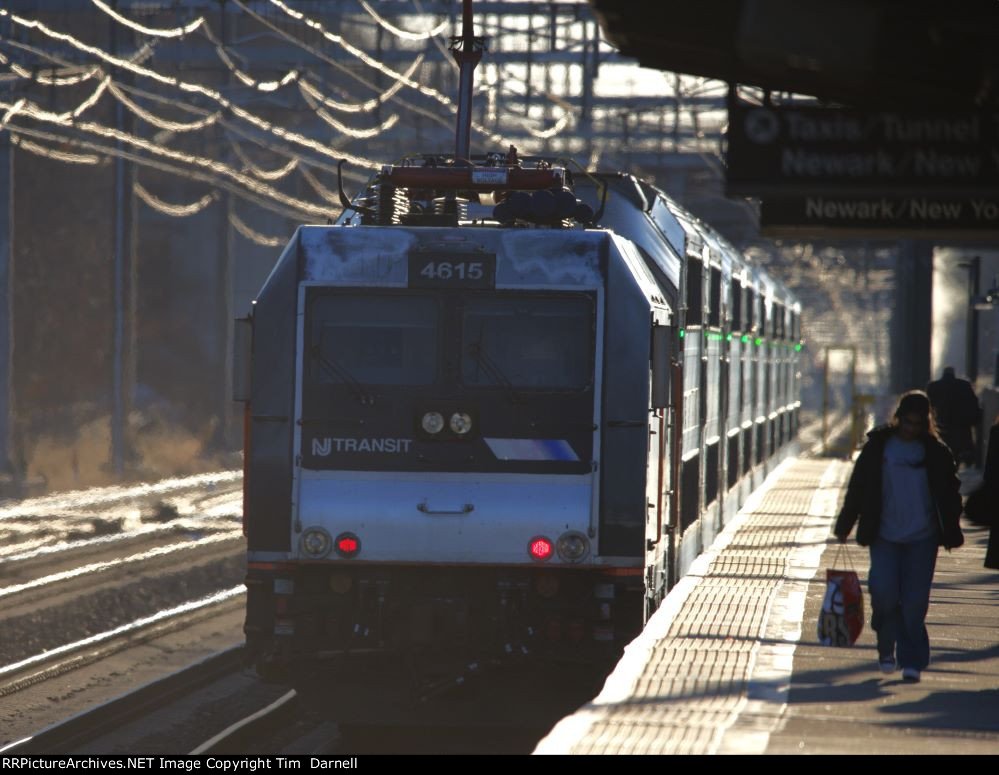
column 441, row 419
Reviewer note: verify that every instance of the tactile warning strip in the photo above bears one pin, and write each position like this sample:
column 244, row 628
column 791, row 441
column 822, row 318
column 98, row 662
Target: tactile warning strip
column 683, row 683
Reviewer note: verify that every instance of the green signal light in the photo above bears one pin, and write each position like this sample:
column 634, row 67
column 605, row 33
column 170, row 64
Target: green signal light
column 797, row 348
column 681, row 333
column 728, row 338
column 745, row 337
column 758, row 342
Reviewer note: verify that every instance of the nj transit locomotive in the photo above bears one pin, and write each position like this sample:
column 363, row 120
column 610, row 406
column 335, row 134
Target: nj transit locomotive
column 495, row 411
column 473, row 441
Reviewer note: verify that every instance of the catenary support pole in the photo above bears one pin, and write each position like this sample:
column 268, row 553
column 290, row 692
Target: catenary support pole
column 7, row 468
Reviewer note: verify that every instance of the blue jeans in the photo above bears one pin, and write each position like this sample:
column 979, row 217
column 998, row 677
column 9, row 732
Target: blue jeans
column 899, row 582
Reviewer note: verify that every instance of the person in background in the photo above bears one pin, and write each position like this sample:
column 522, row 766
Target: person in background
column 982, row 506
column 905, row 492
column 957, row 411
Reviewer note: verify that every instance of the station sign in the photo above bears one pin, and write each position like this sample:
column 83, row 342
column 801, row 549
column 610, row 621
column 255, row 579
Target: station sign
column 917, row 215
column 781, row 150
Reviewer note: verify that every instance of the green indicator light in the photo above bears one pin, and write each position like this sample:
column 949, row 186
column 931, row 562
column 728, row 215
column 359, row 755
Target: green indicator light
column 797, row 348
column 681, row 333
column 758, row 342
column 728, row 338
column 745, row 337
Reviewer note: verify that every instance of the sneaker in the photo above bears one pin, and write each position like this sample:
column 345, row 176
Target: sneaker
column 886, row 664
column 910, row 674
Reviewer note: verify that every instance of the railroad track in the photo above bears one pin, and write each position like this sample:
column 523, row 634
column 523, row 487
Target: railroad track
column 88, row 521
column 67, row 736
column 147, row 549
column 55, row 662
column 270, row 726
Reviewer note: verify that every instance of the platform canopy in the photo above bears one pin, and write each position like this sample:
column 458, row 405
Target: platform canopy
column 872, row 53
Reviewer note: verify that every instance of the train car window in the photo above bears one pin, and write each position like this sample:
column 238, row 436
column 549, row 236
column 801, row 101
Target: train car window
column 714, row 298
column 668, row 225
column 542, row 343
column 695, row 291
column 768, row 396
column 374, row 340
column 736, row 293
column 761, row 316
column 776, row 313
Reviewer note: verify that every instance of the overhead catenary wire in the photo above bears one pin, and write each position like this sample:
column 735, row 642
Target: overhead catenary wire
column 140, row 55
column 176, row 211
column 20, row 72
column 372, row 62
column 157, row 121
column 343, row 43
column 31, row 110
column 312, row 180
column 400, row 33
column 433, row 116
column 253, row 235
column 238, row 111
column 176, row 32
column 208, row 118
column 211, row 94
column 233, row 129
column 358, row 107
column 253, row 169
column 55, row 154
column 162, row 166
column 348, row 130
column 541, row 134
column 241, row 75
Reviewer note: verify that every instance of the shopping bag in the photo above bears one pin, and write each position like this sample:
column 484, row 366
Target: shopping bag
column 841, row 619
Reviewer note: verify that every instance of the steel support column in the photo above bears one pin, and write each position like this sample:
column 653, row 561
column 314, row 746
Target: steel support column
column 912, row 318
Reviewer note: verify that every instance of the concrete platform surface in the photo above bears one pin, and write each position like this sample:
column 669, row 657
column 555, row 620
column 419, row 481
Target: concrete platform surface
column 731, row 663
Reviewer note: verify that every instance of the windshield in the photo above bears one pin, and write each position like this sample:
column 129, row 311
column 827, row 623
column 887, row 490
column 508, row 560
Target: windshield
column 530, row 343
column 374, row 340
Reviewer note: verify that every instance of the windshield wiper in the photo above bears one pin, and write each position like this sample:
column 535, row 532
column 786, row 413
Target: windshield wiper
column 476, row 350
column 338, row 371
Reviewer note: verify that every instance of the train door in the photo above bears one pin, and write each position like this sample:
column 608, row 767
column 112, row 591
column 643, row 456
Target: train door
column 659, row 529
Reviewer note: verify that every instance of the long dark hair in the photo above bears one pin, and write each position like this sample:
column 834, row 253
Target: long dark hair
column 916, row 402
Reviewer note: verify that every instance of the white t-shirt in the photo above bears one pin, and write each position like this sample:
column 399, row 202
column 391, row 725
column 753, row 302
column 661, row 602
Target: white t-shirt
column 907, row 509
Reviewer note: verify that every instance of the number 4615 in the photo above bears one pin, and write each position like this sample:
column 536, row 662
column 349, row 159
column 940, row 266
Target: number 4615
column 446, row 270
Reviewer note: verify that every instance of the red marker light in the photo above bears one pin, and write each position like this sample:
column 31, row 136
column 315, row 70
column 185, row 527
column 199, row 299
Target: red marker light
column 540, row 548
column 347, row 544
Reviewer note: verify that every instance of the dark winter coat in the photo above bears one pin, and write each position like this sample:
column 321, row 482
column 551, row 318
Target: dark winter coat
column 863, row 494
column 957, row 411
column 990, row 486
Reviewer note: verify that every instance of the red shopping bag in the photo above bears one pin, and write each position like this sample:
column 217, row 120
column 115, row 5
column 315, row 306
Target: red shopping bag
column 841, row 619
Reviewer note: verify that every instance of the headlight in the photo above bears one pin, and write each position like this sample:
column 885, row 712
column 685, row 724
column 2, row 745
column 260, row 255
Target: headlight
column 316, row 543
column 461, row 423
column 433, row 422
column 572, row 546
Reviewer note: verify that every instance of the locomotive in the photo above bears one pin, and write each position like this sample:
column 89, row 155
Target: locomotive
column 494, row 411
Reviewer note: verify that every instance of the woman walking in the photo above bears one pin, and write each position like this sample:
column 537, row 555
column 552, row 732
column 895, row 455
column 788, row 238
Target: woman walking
column 905, row 492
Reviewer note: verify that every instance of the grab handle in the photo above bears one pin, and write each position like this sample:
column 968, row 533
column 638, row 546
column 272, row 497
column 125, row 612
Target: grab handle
column 468, row 507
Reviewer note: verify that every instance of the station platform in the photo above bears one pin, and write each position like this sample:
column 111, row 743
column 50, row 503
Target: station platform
column 731, row 662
